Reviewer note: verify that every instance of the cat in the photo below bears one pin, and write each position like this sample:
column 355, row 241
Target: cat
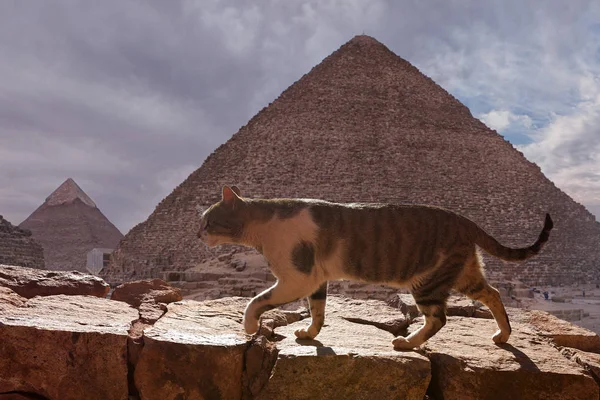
column 309, row 242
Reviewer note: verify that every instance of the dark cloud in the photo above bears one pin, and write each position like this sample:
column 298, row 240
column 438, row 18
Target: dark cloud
column 129, row 97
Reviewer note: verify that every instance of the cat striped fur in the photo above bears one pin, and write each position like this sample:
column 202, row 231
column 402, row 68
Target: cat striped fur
column 309, row 242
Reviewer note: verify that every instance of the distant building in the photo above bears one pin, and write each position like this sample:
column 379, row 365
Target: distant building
column 17, row 247
column 68, row 225
column 97, row 259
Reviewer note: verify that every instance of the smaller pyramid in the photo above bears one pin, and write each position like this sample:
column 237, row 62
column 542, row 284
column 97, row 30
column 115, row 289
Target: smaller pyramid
column 69, row 225
column 67, row 193
column 17, row 247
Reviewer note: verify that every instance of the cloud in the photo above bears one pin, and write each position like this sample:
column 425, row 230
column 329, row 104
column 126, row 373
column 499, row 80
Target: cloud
column 568, row 149
column 501, row 120
column 128, row 97
column 536, row 84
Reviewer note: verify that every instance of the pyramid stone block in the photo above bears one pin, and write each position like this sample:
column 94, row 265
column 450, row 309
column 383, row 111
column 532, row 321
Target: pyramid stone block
column 17, row 247
column 365, row 125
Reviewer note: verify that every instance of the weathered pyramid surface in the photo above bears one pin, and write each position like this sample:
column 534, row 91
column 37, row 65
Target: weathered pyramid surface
column 17, row 247
column 68, row 225
column 67, row 193
column 365, row 125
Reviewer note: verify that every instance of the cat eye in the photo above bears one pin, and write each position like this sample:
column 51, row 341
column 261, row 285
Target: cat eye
column 217, row 225
column 220, row 225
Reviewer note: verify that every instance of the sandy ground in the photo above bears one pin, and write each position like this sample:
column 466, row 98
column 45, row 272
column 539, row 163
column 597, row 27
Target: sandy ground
column 574, row 299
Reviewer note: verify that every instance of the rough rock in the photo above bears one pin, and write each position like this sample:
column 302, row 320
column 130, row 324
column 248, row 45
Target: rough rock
column 590, row 361
column 74, row 347
column 483, row 313
column 10, row 299
column 66, row 347
column 198, row 347
column 347, row 360
column 30, row 282
column 151, row 312
column 561, row 332
column 367, row 312
column 466, row 364
column 405, row 302
column 460, row 306
column 149, row 290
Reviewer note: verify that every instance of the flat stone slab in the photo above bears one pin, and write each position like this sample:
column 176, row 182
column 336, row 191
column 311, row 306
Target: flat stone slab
column 31, row 282
column 198, row 347
column 466, row 364
column 347, row 360
column 66, row 347
column 561, row 332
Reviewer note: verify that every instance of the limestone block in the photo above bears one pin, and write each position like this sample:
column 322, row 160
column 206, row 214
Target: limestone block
column 66, row 347
column 468, row 365
column 30, row 282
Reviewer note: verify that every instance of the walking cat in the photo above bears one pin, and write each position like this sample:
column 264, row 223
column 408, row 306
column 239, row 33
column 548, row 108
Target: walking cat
column 308, row 242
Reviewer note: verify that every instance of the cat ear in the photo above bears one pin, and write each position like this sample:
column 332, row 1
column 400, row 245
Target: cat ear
column 229, row 195
column 236, row 190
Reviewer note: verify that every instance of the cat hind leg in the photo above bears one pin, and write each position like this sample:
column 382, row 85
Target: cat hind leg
column 489, row 296
column 434, row 312
column 474, row 285
column 431, row 292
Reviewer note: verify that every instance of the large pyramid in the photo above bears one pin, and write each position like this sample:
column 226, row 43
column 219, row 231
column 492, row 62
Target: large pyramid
column 68, row 225
column 17, row 247
column 365, row 125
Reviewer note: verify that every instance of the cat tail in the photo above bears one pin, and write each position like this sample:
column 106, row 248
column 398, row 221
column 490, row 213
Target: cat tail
column 491, row 245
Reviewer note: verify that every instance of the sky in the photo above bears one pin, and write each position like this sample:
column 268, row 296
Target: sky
column 128, row 97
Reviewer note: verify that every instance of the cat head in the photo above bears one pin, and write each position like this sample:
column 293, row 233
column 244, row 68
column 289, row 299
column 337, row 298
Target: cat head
column 223, row 222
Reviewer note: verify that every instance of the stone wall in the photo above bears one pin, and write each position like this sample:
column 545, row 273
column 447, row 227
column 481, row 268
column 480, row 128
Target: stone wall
column 17, row 247
column 95, row 348
column 365, row 125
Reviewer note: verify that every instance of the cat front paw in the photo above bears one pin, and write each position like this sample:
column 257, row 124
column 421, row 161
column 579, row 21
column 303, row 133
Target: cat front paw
column 251, row 325
column 500, row 337
column 304, row 334
column 402, row 343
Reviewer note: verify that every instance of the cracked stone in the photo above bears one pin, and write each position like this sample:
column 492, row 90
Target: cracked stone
column 149, row 290
column 466, row 364
column 590, row 361
column 561, row 332
column 206, row 335
column 347, row 360
column 66, row 347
